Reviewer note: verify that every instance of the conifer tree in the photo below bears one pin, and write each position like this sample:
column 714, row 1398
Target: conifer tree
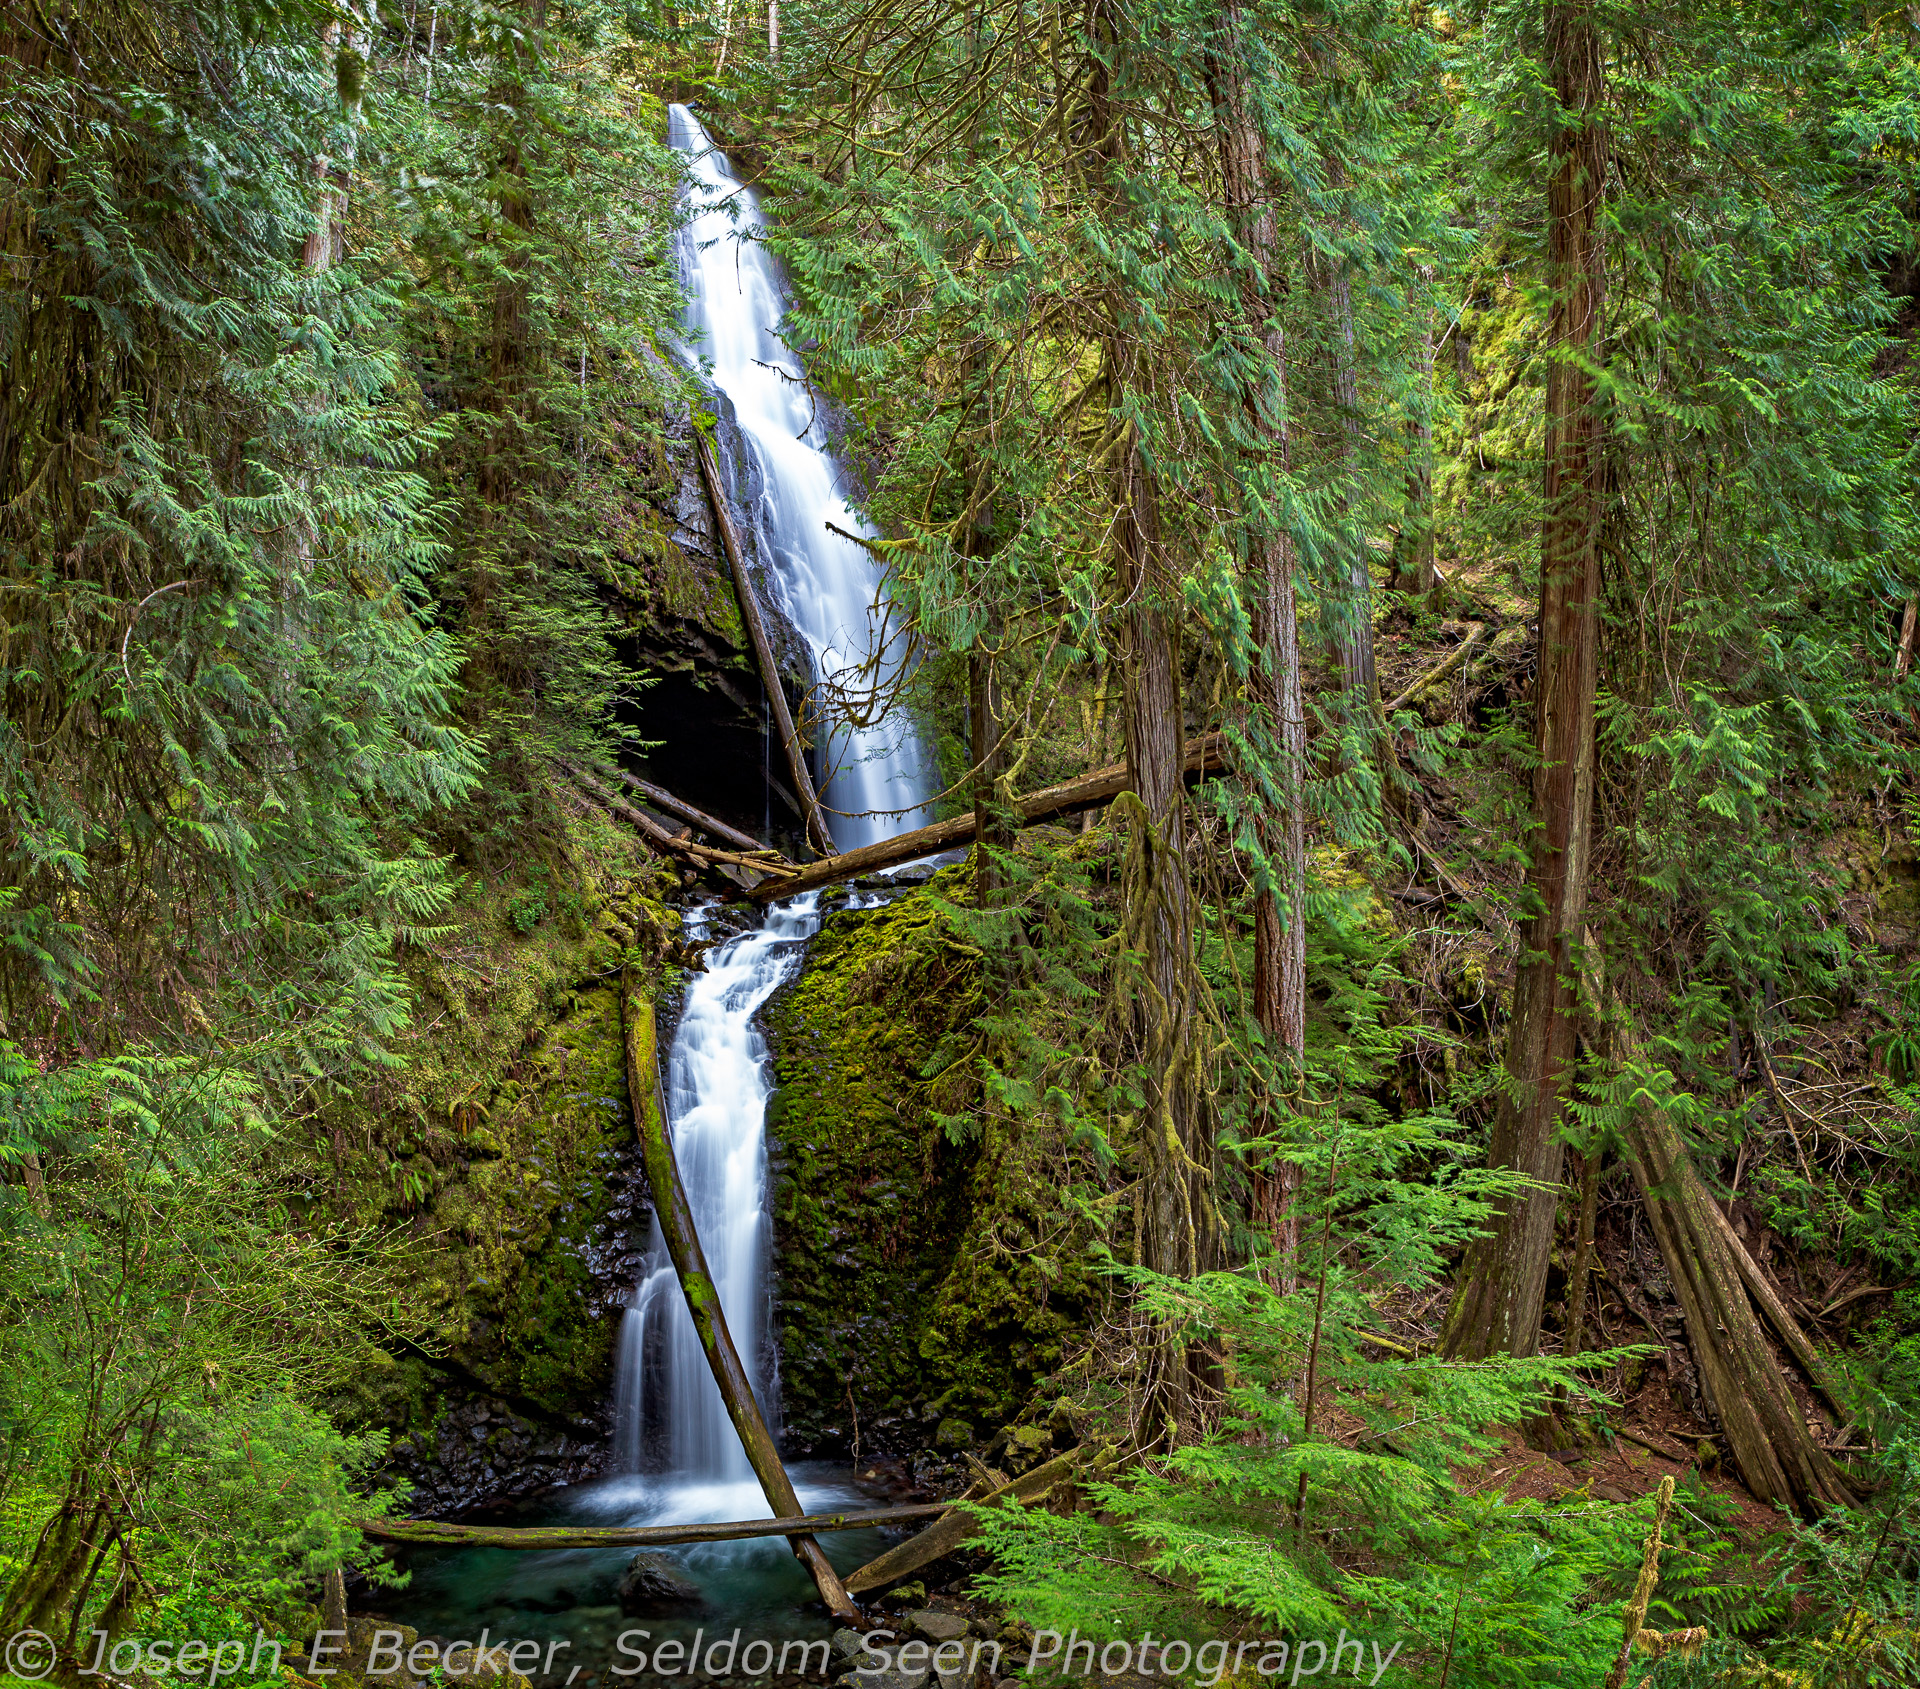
column 1503, row 1288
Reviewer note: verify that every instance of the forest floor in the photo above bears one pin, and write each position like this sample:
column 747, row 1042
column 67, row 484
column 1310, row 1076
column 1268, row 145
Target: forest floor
column 1619, row 1471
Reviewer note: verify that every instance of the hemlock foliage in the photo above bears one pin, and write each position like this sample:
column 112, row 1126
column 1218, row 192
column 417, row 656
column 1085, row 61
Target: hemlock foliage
column 335, row 341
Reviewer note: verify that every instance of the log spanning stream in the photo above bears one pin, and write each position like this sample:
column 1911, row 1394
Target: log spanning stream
column 676, row 1457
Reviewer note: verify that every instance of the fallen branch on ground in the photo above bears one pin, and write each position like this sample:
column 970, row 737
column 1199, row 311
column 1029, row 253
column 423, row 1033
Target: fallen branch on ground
column 1441, row 669
column 1664, row 1451
column 705, row 855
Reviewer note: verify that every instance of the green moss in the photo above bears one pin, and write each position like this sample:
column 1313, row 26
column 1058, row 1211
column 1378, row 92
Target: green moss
column 1873, row 871
column 657, row 581
column 898, row 1299
column 485, row 1157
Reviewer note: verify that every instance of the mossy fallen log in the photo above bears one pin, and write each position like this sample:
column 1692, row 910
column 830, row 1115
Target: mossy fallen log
column 434, row 1531
column 958, row 1527
column 675, row 1216
column 1203, row 755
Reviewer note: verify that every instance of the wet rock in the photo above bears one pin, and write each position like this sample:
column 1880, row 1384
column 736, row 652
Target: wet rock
column 481, row 1450
column 652, row 1584
column 940, row 1627
column 895, row 1677
column 856, row 1668
column 847, row 1643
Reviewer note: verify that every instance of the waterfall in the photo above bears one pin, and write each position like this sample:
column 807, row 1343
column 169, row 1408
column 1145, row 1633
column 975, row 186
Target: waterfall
column 873, row 780
column 667, row 1411
column 717, row 1100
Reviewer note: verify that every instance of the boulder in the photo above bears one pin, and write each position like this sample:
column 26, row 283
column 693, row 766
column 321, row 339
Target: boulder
column 653, row 1585
column 1020, row 1448
column 894, row 1678
column 847, row 1643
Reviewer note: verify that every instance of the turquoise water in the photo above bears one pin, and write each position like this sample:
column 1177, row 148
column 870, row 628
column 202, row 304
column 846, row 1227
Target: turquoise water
column 755, row 1586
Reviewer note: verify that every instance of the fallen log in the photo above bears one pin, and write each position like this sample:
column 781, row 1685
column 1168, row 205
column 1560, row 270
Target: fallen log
column 435, row 1532
column 681, row 810
column 817, row 829
column 675, row 1218
column 762, row 862
column 1775, row 1454
column 1440, row 670
column 1102, row 786
column 957, row 1528
column 1666, row 1451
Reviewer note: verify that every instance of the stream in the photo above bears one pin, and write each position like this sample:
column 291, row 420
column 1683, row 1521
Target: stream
column 675, row 1457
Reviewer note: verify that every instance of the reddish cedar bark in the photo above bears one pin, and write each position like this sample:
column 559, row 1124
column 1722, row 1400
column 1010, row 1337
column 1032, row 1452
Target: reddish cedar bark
column 1280, row 964
column 1499, row 1302
column 1175, row 1213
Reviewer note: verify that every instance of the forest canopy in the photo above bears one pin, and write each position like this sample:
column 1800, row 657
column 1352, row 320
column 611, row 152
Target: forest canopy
column 1453, row 470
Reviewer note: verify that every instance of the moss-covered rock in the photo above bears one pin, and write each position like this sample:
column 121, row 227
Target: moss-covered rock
column 908, row 1296
column 499, row 1161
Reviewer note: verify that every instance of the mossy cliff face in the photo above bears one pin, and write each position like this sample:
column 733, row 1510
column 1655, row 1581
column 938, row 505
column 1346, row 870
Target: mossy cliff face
column 500, row 1163
column 673, row 590
column 902, row 1319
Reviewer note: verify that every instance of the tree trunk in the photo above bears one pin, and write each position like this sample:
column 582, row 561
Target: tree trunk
column 1583, row 1250
column 1772, row 1447
column 1414, row 570
column 1498, row 1306
column 991, row 827
column 1174, row 1210
column 1350, row 636
column 499, row 473
column 1279, row 930
column 326, row 244
column 42, row 1590
column 1176, row 1162
column 992, row 820
column 333, row 1603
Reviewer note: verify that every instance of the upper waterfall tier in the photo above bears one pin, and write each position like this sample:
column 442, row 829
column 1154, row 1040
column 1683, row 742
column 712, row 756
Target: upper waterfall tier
column 876, row 776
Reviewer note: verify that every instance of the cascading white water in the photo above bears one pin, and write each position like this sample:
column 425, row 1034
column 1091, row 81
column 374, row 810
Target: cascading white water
column 667, row 1409
column 717, row 1101
column 678, row 1457
column 874, row 783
